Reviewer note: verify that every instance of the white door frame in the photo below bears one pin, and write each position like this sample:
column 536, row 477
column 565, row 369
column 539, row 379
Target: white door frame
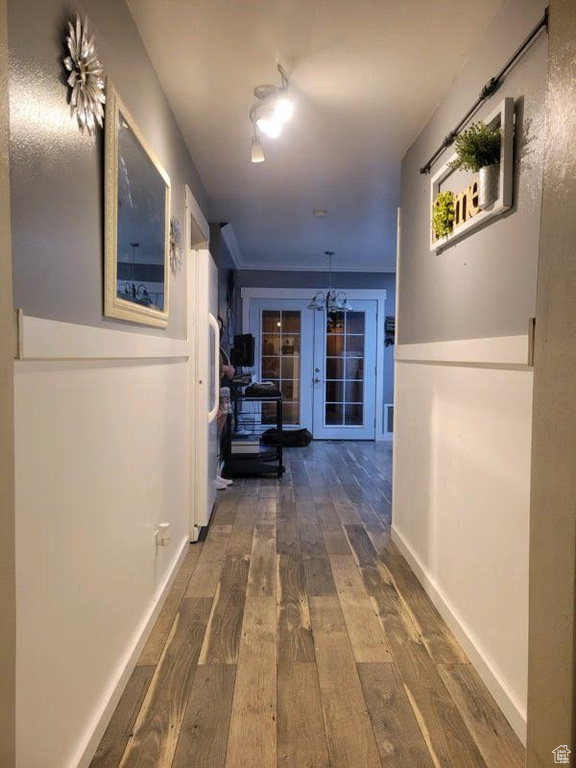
column 7, row 503
column 378, row 295
column 195, row 238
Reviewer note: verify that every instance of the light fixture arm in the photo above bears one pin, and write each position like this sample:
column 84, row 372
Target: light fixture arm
column 266, row 94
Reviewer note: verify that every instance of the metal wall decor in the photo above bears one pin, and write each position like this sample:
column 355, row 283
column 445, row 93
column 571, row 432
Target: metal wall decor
column 487, row 91
column 175, row 246
column 87, row 96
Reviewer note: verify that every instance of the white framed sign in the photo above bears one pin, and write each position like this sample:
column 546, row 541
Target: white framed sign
column 468, row 216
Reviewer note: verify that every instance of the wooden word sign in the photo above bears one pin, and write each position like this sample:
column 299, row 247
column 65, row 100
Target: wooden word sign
column 466, row 204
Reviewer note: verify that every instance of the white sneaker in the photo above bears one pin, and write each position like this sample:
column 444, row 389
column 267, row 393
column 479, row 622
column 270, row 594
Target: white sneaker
column 224, row 480
column 220, row 484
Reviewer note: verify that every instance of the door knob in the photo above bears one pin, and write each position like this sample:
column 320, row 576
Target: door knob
column 317, row 370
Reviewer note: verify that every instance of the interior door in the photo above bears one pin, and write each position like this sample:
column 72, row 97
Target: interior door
column 344, row 379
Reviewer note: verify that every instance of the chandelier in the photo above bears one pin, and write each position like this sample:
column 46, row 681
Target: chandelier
column 332, row 300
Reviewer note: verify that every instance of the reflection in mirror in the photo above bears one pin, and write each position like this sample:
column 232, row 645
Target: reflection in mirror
column 141, row 224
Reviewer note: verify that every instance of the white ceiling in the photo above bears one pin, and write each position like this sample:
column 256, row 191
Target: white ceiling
column 365, row 76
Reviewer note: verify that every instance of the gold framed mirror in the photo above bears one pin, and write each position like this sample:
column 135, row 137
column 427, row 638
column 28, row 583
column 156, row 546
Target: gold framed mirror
column 137, row 222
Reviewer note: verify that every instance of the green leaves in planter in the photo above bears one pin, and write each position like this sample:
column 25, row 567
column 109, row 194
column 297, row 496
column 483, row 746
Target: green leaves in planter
column 477, row 147
column 443, row 214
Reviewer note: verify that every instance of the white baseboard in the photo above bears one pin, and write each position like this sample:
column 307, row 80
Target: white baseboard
column 126, row 666
column 512, row 709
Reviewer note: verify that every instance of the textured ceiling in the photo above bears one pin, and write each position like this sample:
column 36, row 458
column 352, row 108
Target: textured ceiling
column 365, row 77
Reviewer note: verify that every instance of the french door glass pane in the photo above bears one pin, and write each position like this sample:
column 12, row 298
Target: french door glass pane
column 335, row 368
column 355, row 346
column 355, row 322
column 290, row 344
column 334, row 414
column 290, row 389
column 290, row 322
column 290, row 367
column 270, row 322
column 280, row 362
column 270, row 368
column 335, row 323
column 354, row 369
column 354, row 415
column 270, row 344
column 344, row 369
column 354, row 391
column 334, row 391
column 335, row 345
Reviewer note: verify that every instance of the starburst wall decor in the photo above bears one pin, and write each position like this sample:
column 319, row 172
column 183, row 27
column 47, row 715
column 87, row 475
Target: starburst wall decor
column 87, row 96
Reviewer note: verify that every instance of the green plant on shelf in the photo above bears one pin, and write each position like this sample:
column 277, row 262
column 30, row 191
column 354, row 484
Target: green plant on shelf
column 443, row 214
column 477, row 147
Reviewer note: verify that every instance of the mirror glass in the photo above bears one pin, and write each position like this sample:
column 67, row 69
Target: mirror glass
column 141, row 223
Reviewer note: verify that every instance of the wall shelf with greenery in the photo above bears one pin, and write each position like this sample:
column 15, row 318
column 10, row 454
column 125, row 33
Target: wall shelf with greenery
column 486, row 149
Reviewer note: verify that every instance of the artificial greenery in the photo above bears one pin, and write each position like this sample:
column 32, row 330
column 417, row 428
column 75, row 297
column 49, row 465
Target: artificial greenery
column 443, row 214
column 477, row 147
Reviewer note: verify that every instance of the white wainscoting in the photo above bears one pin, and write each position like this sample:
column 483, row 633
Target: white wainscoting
column 102, row 457
column 462, row 455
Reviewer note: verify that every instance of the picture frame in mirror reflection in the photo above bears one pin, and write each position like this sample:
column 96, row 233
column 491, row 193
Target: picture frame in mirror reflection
column 137, row 222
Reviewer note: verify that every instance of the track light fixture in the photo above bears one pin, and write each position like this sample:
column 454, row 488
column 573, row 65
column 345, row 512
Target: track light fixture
column 269, row 114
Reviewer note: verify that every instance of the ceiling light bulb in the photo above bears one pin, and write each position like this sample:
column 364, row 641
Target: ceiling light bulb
column 272, row 127
column 257, row 152
column 284, row 110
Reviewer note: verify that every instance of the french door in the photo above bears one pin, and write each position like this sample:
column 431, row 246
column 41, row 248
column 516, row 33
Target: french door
column 324, row 365
column 344, row 379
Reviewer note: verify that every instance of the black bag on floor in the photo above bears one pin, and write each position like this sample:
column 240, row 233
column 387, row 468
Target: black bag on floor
column 291, row 438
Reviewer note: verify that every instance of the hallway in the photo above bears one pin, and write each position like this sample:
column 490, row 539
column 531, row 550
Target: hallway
column 297, row 635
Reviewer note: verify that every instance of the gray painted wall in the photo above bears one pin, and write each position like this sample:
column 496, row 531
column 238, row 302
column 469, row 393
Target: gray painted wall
column 278, row 279
column 485, row 285
column 57, row 173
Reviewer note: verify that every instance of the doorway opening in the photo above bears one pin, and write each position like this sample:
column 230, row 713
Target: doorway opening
column 328, row 366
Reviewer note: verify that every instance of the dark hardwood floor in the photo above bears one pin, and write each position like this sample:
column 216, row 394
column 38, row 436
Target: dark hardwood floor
column 296, row 636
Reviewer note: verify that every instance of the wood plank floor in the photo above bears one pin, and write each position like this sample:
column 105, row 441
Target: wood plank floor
column 297, row 636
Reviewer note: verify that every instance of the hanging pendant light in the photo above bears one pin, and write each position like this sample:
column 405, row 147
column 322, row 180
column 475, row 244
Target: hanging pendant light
column 331, row 301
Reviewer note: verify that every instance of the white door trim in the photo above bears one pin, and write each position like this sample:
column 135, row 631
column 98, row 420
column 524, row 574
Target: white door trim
column 193, row 242
column 378, row 295
column 7, row 507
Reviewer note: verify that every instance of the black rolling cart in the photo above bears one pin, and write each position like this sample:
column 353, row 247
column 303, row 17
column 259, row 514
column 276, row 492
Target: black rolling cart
column 244, row 453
